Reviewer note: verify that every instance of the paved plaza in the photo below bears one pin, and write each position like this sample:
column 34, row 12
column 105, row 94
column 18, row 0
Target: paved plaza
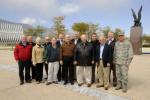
column 138, row 89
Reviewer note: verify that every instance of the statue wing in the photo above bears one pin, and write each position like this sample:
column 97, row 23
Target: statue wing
column 134, row 15
column 139, row 13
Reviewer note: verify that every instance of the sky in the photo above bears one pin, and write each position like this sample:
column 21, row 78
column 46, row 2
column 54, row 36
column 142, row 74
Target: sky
column 113, row 13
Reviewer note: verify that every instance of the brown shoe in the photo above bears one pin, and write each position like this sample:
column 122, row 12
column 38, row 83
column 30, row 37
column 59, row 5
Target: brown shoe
column 98, row 86
column 106, row 88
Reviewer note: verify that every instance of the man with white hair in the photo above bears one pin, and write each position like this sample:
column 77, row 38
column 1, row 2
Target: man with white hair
column 84, row 58
column 104, row 58
column 45, row 45
column 37, row 58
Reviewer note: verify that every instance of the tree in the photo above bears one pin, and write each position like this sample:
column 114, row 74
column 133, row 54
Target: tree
column 58, row 25
column 146, row 39
column 92, row 28
column 81, row 27
column 105, row 30
column 37, row 31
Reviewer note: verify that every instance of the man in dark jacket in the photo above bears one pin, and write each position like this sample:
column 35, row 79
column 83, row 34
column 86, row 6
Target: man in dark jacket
column 104, row 57
column 111, row 41
column 22, row 54
column 60, row 41
column 84, row 58
column 47, row 43
column 95, row 43
column 33, row 70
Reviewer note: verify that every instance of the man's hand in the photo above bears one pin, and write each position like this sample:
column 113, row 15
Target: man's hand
column 46, row 62
column 108, row 64
column 61, row 62
column 34, row 64
column 92, row 62
column 75, row 62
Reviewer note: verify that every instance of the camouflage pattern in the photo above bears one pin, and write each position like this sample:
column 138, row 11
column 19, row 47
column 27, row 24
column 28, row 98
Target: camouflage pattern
column 123, row 55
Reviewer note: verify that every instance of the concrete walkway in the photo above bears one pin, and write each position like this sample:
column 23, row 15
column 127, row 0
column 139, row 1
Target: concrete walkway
column 139, row 81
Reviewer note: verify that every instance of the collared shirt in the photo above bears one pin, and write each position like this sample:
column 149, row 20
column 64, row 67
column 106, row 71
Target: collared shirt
column 109, row 41
column 101, row 50
column 76, row 40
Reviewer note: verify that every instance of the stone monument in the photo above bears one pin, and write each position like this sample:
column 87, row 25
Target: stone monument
column 136, row 33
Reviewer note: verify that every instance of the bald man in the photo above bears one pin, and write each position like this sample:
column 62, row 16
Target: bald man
column 84, row 59
column 104, row 58
column 30, row 41
column 23, row 54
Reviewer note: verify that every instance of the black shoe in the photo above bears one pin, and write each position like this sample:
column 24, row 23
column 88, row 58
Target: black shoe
column 88, row 85
column 48, row 83
column 21, row 83
column 65, row 83
column 80, row 84
column 114, row 84
column 55, row 82
column 71, row 83
column 28, row 81
column 106, row 88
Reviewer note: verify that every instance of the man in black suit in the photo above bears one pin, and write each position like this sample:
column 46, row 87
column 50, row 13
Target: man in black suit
column 59, row 44
column 111, row 41
column 95, row 43
column 103, row 59
column 76, row 39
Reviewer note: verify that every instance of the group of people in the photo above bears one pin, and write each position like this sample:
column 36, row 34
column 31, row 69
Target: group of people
column 74, row 59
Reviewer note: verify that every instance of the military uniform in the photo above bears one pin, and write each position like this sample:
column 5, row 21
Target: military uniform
column 123, row 55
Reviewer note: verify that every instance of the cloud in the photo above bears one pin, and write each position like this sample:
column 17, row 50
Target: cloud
column 46, row 8
column 103, row 5
column 69, row 8
column 33, row 21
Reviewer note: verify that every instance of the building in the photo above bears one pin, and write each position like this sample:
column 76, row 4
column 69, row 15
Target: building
column 10, row 32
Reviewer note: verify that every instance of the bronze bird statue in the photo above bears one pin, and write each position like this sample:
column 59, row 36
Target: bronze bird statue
column 137, row 19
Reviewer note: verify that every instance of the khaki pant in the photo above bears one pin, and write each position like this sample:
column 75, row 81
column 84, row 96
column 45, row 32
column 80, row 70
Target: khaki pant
column 103, row 74
column 84, row 72
column 52, row 71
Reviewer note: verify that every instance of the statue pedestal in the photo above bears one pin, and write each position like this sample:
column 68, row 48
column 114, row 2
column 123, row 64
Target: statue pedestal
column 136, row 39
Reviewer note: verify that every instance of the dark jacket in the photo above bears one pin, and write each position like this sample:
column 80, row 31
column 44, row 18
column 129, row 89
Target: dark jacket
column 52, row 54
column 112, row 45
column 84, row 54
column 78, row 41
column 22, row 52
column 95, row 44
column 106, row 56
column 59, row 43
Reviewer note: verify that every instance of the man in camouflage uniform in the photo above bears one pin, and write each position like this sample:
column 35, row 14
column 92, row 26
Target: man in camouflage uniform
column 123, row 55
